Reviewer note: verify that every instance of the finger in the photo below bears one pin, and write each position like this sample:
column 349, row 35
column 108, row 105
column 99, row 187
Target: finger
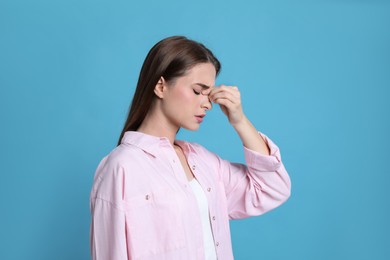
column 217, row 89
column 231, row 89
column 206, row 91
column 223, row 88
column 226, row 95
column 224, row 91
column 225, row 102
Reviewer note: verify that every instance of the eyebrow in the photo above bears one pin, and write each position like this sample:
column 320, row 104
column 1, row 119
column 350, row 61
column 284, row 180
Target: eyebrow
column 202, row 85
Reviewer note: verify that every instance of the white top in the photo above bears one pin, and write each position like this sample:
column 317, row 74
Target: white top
column 204, row 215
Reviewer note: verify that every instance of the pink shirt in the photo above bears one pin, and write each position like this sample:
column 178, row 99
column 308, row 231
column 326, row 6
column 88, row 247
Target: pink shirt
column 143, row 207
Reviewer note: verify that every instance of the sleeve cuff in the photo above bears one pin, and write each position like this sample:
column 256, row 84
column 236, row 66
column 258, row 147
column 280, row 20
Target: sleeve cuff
column 263, row 162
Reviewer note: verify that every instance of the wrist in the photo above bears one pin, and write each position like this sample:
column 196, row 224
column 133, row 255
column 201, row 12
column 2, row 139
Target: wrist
column 241, row 124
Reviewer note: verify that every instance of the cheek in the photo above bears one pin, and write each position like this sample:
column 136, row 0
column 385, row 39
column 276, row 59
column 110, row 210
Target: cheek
column 185, row 98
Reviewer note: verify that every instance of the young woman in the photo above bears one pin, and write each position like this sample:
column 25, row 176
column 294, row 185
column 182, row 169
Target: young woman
column 155, row 197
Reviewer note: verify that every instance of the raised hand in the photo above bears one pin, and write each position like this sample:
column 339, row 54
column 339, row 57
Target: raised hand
column 229, row 99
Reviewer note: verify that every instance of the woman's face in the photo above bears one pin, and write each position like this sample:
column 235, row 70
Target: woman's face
column 186, row 100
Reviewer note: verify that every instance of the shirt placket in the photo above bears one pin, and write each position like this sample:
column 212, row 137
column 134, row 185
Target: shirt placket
column 182, row 180
column 207, row 189
column 177, row 170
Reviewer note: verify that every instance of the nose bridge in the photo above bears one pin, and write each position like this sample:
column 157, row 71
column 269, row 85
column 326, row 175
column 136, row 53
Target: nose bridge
column 206, row 102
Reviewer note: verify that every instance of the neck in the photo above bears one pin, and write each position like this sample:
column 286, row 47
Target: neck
column 157, row 125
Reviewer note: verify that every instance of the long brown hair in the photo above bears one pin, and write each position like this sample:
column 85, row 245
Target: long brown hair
column 170, row 58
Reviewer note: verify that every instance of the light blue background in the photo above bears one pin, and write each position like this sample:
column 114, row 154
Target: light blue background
column 314, row 77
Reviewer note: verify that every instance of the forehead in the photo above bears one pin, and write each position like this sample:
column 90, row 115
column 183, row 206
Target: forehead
column 203, row 73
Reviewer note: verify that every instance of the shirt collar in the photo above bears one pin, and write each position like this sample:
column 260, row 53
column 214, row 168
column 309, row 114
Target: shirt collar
column 152, row 144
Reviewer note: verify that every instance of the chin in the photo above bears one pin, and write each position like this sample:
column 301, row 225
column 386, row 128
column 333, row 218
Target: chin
column 191, row 127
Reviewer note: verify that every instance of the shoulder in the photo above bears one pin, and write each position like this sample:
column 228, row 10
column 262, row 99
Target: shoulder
column 202, row 151
column 122, row 159
column 110, row 174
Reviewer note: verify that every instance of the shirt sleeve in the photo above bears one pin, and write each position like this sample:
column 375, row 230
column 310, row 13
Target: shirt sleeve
column 108, row 235
column 257, row 187
column 108, row 226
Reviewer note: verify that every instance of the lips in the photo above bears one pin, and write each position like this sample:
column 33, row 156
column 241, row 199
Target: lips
column 199, row 118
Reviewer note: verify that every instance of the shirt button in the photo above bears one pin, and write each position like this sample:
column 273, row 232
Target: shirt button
column 213, row 217
column 173, row 161
column 217, row 244
column 193, row 167
column 147, row 197
column 208, row 189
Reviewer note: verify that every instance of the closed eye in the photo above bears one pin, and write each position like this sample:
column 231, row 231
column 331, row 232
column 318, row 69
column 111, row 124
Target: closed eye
column 196, row 92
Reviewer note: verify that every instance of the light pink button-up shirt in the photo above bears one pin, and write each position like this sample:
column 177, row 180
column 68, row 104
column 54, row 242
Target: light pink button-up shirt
column 143, row 206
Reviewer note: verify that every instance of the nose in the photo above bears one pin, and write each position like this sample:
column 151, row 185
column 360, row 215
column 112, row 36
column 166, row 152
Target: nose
column 206, row 103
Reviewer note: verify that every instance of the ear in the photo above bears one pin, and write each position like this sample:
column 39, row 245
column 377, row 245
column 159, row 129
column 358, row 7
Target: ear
column 160, row 88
